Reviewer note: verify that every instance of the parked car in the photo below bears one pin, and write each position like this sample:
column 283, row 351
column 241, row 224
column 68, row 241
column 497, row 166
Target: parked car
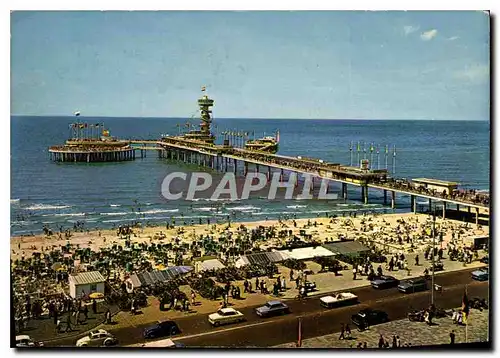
column 26, row 341
column 97, row 338
column 368, row 317
column 413, row 285
column 384, row 282
column 161, row 329
column 272, row 308
column 339, row 299
column 310, row 286
column 481, row 275
column 485, row 259
column 225, row 316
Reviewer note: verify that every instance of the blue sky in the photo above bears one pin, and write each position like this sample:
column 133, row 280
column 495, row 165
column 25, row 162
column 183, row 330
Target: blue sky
column 366, row 65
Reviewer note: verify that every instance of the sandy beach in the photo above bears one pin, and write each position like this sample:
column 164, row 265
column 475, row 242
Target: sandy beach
column 379, row 228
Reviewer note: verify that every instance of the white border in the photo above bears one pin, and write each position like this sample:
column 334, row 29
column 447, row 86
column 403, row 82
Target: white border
column 185, row 5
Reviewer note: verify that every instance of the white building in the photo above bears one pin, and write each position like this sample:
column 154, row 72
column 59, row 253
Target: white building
column 86, row 283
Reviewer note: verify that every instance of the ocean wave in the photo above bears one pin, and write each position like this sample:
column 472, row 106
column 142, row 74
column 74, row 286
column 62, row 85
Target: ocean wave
column 296, row 206
column 243, row 208
column 46, row 207
column 14, row 201
column 205, row 209
column 115, row 214
column 157, row 211
column 22, row 222
column 69, row 214
column 114, row 205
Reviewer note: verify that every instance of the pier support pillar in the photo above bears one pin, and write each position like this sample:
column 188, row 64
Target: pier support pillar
column 393, row 199
column 385, row 197
column 430, row 205
column 268, row 173
column 444, row 210
column 235, row 166
column 413, row 200
column 256, row 168
column 477, row 216
column 458, row 208
column 344, row 191
column 364, row 193
column 282, row 175
column 245, row 171
column 468, row 209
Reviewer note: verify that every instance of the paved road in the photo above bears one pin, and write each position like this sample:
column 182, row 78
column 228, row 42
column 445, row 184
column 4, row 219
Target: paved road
column 316, row 321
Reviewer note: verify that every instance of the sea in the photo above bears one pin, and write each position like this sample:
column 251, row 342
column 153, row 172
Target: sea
column 107, row 195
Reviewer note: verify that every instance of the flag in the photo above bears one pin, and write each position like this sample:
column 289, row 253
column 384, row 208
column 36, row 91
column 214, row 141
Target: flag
column 82, row 126
column 394, row 153
column 105, row 133
column 371, row 147
column 299, row 339
column 358, row 147
column 465, row 303
column 85, row 125
column 97, row 125
column 386, row 149
column 277, row 136
column 350, row 145
column 203, row 88
column 77, row 113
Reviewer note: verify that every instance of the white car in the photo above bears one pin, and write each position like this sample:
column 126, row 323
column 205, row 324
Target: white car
column 26, row 341
column 97, row 338
column 225, row 316
column 339, row 299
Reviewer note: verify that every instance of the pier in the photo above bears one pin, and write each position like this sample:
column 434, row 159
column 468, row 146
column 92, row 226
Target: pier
column 198, row 147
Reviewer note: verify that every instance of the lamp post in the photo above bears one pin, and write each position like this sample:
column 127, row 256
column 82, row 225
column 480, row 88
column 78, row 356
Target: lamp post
column 433, row 256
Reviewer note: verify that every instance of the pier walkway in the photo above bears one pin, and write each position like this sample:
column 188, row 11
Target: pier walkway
column 226, row 158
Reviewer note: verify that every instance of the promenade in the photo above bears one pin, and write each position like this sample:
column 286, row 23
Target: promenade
column 410, row 333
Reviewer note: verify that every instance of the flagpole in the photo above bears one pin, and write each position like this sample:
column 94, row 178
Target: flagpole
column 299, row 338
column 433, row 258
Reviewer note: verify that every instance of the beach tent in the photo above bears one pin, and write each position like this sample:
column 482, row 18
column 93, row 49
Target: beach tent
column 260, row 258
column 149, row 278
column 306, row 253
column 347, row 248
column 208, row 265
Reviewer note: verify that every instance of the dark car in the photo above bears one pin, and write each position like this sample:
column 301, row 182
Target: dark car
column 369, row 317
column 481, row 275
column 413, row 285
column 272, row 308
column 162, row 329
column 384, row 282
column 310, row 286
column 485, row 259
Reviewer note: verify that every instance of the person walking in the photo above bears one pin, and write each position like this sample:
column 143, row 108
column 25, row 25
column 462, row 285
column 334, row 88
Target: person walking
column 58, row 326
column 193, row 297
column 416, row 260
column 452, row 337
column 108, row 316
column 354, row 273
column 94, row 306
column 348, row 331
column 342, row 331
column 381, row 342
column 68, row 324
column 394, row 342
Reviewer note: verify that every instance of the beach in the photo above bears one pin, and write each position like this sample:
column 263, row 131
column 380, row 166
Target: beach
column 321, row 229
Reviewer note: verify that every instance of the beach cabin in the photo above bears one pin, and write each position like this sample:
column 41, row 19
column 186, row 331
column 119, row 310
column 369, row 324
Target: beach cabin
column 86, row 283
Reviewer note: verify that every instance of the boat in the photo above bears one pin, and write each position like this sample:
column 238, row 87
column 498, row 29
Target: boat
column 267, row 144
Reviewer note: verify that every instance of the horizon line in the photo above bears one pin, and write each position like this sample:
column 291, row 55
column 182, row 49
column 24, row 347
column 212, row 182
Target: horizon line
column 281, row 118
